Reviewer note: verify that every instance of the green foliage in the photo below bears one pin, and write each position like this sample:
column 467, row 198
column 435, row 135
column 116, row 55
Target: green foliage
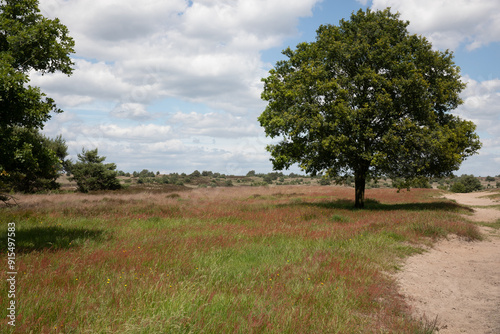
column 146, row 173
column 325, row 181
column 369, row 99
column 251, row 173
column 29, row 42
column 90, row 173
column 196, row 173
column 32, row 161
column 267, row 179
column 466, row 184
column 490, row 178
column 417, row 182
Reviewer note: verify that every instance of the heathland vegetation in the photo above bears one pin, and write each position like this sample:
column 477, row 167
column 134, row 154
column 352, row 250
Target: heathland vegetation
column 241, row 259
column 207, row 179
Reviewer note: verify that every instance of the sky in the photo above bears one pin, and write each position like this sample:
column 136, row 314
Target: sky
column 174, row 86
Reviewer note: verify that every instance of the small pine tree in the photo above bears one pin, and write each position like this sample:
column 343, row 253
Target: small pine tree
column 90, row 173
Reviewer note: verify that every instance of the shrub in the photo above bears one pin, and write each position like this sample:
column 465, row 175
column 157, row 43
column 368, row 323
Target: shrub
column 458, row 187
column 91, row 174
column 466, row 184
column 268, row 179
column 490, row 178
column 324, row 182
column 146, row 173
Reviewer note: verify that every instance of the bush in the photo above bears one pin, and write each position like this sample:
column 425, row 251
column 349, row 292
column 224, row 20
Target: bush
column 91, row 174
column 267, row 179
column 466, row 184
column 489, row 178
column 458, row 188
column 207, row 173
column 324, row 182
column 146, row 173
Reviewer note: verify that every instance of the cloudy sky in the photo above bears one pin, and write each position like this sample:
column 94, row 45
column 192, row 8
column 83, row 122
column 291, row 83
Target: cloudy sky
column 174, row 85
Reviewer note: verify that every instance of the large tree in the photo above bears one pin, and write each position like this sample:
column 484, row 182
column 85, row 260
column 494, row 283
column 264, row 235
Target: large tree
column 367, row 99
column 29, row 42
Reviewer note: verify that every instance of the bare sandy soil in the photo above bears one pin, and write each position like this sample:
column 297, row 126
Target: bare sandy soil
column 457, row 282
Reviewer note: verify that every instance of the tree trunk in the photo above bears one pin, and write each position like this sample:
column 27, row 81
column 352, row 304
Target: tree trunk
column 359, row 183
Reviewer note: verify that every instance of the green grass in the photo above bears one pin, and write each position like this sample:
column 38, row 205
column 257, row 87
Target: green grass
column 209, row 261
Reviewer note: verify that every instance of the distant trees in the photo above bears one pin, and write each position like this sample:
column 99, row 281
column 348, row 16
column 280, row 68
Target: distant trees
column 90, row 173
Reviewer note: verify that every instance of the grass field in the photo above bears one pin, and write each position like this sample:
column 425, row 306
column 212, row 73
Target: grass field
column 288, row 259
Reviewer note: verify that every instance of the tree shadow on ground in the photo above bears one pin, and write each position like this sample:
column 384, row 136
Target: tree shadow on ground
column 374, row 205
column 54, row 238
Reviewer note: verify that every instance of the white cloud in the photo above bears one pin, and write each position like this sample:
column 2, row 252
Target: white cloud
column 142, row 133
column 204, row 53
column 214, row 125
column 447, row 23
column 482, row 104
column 90, row 82
column 207, row 52
column 134, row 111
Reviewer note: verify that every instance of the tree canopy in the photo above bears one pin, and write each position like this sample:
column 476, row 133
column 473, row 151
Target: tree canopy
column 367, row 99
column 29, row 42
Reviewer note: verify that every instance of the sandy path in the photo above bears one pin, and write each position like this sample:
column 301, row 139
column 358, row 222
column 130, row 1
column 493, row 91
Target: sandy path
column 458, row 281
